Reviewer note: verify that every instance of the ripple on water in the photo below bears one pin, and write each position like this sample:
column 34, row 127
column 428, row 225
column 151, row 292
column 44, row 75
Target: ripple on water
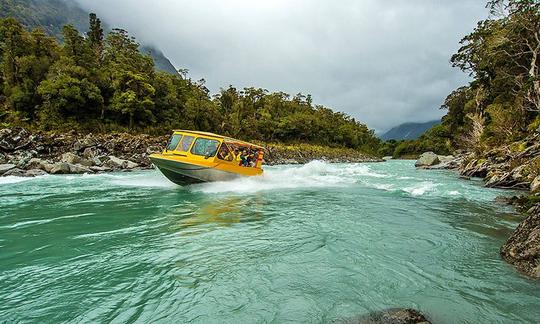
column 308, row 243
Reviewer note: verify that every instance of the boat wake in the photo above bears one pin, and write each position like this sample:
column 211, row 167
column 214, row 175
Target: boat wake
column 316, row 174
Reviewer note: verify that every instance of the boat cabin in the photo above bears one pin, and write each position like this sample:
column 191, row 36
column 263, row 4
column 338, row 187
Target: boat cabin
column 208, row 148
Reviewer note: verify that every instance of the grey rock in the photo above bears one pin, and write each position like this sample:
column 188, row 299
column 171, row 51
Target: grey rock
column 427, row 159
column 16, row 172
column 86, row 163
column 535, row 184
column 70, row 158
column 115, row 163
column 6, row 167
column 99, row 169
column 89, row 153
column 35, row 173
column 522, row 249
column 60, row 168
column 78, row 169
column 131, row 165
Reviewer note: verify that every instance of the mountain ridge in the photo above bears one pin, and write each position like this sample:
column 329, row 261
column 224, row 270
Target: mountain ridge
column 409, row 130
column 52, row 15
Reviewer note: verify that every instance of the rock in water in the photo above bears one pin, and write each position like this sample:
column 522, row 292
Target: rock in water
column 427, row 159
column 389, row 316
column 6, row 167
column 522, row 249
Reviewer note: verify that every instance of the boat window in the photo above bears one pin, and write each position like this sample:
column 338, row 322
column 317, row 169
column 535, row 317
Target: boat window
column 225, row 153
column 173, row 142
column 185, row 143
column 205, row 147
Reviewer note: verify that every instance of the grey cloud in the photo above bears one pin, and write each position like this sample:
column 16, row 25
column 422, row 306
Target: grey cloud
column 383, row 62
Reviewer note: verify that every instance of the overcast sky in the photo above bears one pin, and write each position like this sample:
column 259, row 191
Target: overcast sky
column 384, row 62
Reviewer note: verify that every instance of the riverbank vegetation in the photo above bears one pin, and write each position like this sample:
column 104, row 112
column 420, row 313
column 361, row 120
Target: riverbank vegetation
column 103, row 83
column 501, row 104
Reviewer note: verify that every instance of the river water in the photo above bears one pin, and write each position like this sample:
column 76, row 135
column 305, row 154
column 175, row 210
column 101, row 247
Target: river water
column 311, row 243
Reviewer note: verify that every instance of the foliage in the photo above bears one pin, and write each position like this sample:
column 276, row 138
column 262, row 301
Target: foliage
column 103, row 83
column 502, row 103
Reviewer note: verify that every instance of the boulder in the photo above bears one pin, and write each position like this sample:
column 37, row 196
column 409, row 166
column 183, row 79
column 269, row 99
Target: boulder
column 70, row 158
column 78, row 169
column 35, row 173
column 99, row 169
column 115, row 163
column 86, row 163
column 427, row 159
column 522, row 249
column 60, row 168
column 16, row 172
column 89, row 153
column 6, row 167
column 47, row 166
column 34, row 163
column 535, row 184
column 389, row 316
column 131, row 165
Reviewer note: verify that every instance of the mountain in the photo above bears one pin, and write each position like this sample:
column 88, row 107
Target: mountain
column 52, row 15
column 408, row 131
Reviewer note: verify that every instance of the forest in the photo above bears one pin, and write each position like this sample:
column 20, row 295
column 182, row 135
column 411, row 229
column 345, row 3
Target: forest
column 103, row 83
column 502, row 102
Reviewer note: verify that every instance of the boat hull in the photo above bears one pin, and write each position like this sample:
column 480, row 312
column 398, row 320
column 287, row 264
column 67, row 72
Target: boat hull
column 183, row 173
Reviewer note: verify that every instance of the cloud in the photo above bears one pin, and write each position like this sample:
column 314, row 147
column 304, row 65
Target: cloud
column 383, row 62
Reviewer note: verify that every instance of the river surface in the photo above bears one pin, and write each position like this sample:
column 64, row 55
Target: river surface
column 302, row 244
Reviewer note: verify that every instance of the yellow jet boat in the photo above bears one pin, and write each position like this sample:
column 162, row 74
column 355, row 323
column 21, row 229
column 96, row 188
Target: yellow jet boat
column 193, row 157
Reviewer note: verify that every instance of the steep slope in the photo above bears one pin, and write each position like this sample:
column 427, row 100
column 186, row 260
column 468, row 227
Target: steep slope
column 52, row 15
column 409, row 131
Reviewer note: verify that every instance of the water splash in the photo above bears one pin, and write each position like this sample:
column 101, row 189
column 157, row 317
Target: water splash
column 315, row 174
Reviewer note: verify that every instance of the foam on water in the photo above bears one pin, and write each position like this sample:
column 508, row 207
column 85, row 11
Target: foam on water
column 315, row 174
column 12, row 179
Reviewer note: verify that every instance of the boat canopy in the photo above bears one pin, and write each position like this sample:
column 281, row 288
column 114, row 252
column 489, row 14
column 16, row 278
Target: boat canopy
column 228, row 140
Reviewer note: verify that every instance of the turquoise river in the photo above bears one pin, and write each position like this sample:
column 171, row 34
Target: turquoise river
column 301, row 244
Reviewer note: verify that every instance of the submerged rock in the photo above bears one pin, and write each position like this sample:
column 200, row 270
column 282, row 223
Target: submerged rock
column 389, row 316
column 522, row 249
column 427, row 159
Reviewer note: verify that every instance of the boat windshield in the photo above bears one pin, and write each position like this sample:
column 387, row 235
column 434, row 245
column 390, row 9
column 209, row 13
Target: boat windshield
column 185, row 143
column 173, row 142
column 205, row 147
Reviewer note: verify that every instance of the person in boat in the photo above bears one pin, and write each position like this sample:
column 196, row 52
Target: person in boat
column 225, row 153
column 244, row 158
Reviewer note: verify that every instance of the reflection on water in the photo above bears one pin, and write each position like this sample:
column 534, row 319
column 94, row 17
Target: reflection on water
column 220, row 212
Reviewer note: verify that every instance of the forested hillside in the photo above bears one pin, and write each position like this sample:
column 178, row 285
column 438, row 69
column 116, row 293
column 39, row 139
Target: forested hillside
column 53, row 15
column 501, row 104
column 104, row 83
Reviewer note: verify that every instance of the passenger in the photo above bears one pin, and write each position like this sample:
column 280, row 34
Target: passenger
column 244, row 158
column 251, row 160
column 238, row 156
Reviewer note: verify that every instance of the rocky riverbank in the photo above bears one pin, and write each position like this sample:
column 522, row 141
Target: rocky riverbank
column 23, row 153
column 515, row 166
column 304, row 153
